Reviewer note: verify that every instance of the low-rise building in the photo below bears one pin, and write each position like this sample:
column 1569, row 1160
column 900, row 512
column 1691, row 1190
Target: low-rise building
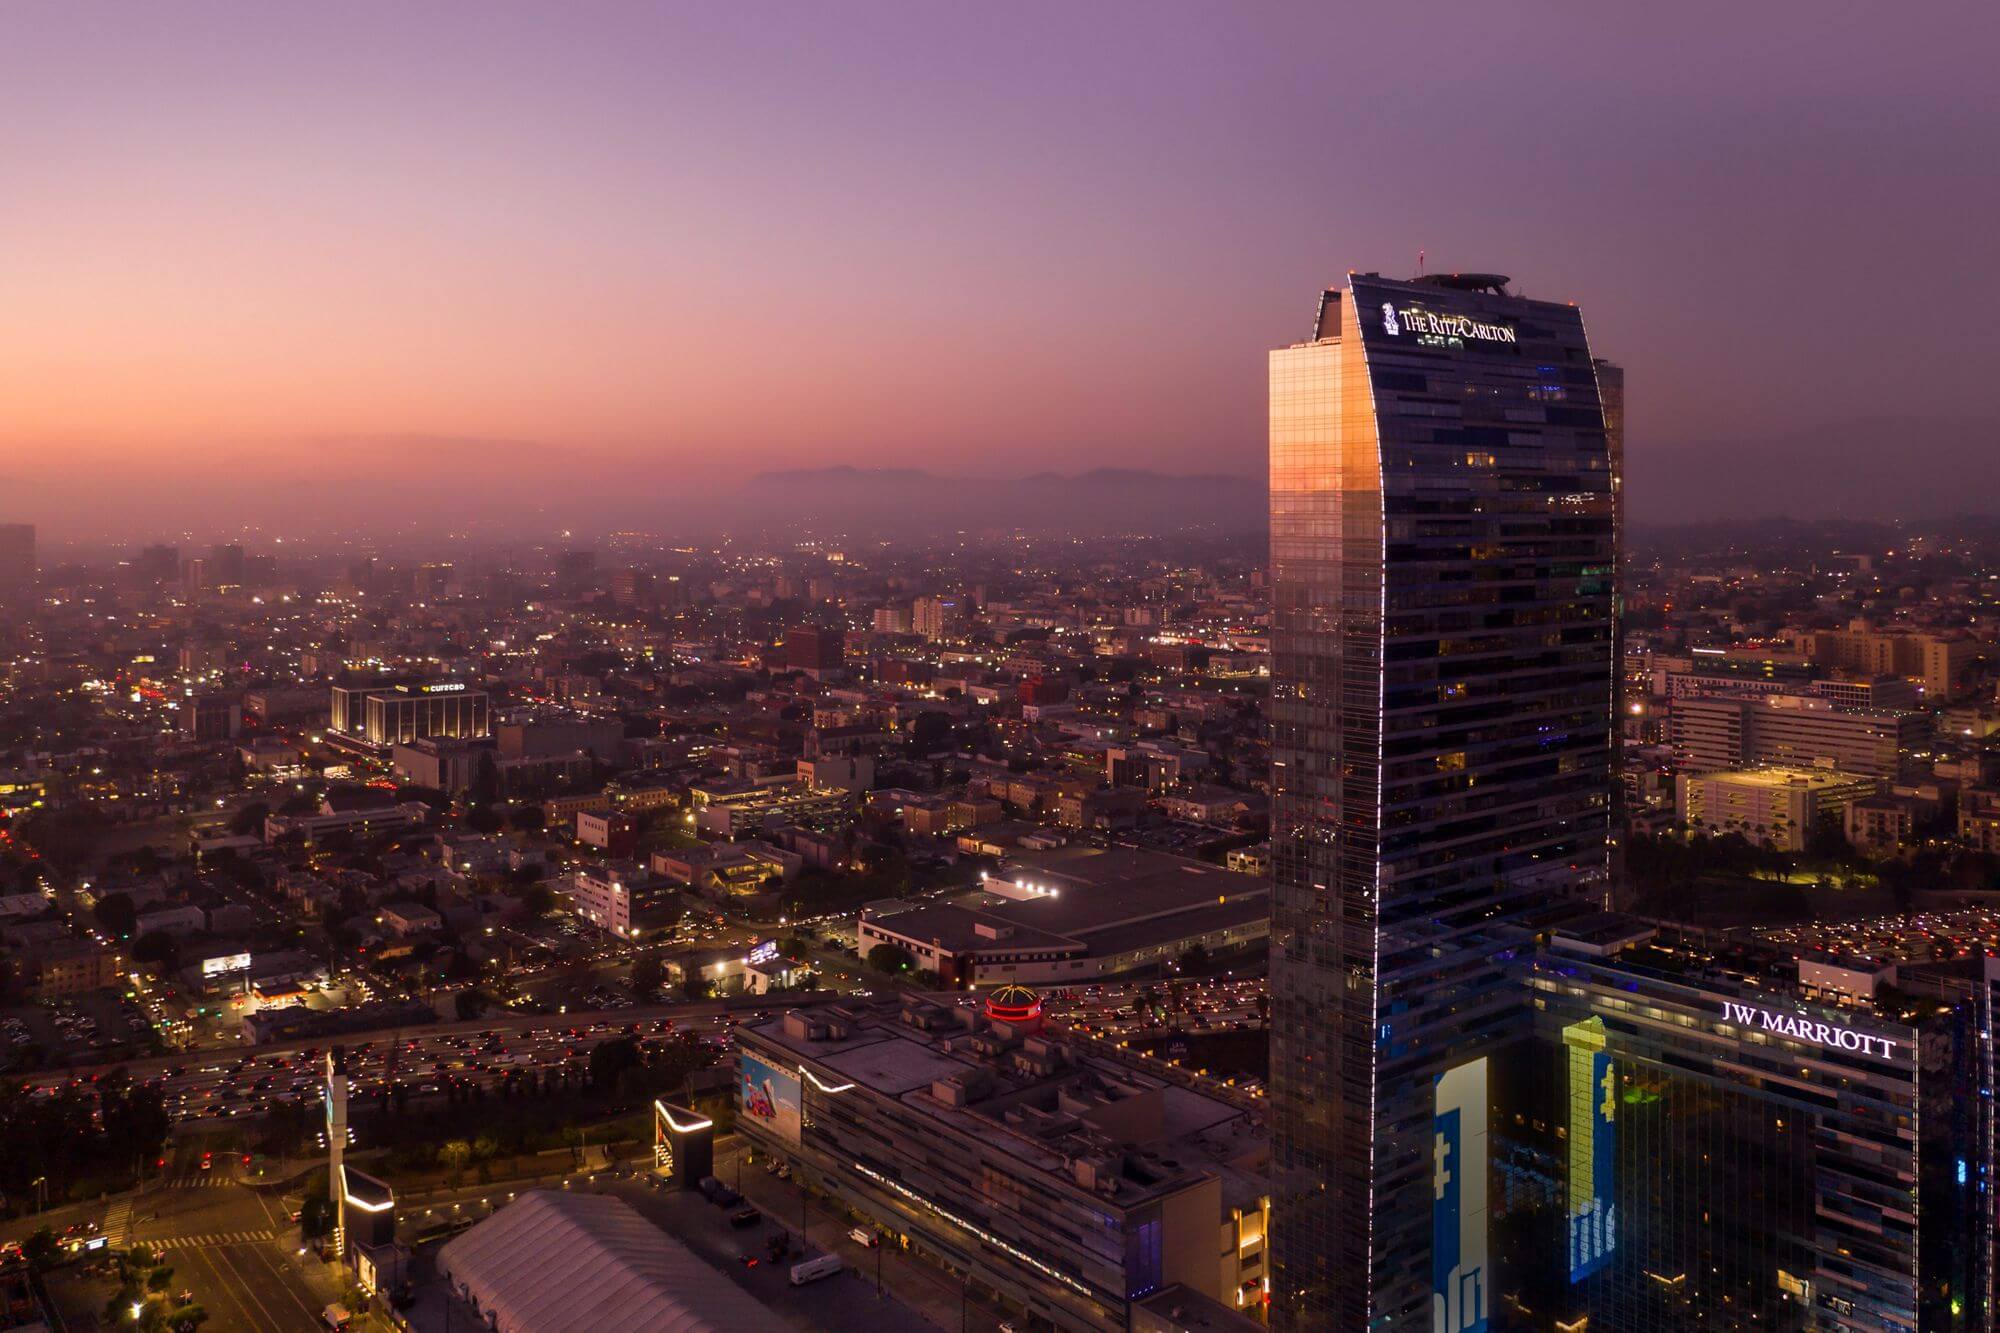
column 1979, row 819
column 1072, row 1186
column 1077, row 914
column 1773, row 807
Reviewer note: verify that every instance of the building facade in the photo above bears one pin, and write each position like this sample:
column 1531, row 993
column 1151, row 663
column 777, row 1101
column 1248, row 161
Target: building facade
column 1070, row 1186
column 377, row 717
column 1442, row 552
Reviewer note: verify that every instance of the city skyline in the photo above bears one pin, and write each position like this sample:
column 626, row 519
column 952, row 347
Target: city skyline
column 264, row 255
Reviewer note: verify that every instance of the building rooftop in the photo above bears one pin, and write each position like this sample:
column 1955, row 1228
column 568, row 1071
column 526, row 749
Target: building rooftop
column 1778, row 775
column 1103, row 1126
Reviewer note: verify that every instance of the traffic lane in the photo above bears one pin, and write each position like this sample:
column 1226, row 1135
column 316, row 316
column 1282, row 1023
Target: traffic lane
column 280, row 1273
column 835, row 1304
column 910, row 1279
column 217, row 1290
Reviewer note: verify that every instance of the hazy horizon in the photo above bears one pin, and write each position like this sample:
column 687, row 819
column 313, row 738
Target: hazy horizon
column 356, row 269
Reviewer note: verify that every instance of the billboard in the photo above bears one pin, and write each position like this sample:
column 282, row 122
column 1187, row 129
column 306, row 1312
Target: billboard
column 1593, row 1118
column 1458, row 1201
column 768, row 1097
column 229, row 962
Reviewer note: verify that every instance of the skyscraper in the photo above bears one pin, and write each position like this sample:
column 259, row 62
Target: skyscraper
column 17, row 555
column 1442, row 552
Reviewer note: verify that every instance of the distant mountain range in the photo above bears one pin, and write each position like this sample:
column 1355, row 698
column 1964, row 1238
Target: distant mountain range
column 908, row 500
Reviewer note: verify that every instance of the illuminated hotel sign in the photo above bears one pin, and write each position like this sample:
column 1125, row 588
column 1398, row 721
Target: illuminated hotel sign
column 1808, row 1030
column 450, row 687
column 1458, row 1200
column 1427, row 325
column 1593, row 1159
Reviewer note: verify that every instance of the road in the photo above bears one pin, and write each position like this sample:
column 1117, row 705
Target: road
column 233, row 1246
column 938, row 1295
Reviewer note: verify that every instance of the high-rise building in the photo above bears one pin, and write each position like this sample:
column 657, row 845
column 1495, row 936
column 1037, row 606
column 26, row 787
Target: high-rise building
column 934, row 617
column 817, row 650
column 157, row 564
column 1443, row 542
column 227, row 565
column 17, row 555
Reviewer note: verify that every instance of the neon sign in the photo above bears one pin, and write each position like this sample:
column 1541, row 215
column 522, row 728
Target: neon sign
column 1809, row 1030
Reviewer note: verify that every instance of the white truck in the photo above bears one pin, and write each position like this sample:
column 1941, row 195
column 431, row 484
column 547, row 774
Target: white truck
column 815, row 1268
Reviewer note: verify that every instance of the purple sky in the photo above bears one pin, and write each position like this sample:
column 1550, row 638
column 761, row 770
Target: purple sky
column 600, row 250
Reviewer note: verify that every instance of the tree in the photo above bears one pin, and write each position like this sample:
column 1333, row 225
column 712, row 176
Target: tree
column 315, row 1217
column 469, row 1003
column 1195, row 957
column 453, row 1155
column 116, row 914
column 159, row 948
column 539, row 900
column 187, row 1317
column 249, row 821
column 929, row 732
column 647, row 973
column 889, row 958
column 609, row 1060
column 135, row 1116
column 40, row 1249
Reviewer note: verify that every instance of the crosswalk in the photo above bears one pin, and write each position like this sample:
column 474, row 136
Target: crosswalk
column 200, row 1182
column 118, row 1224
column 211, row 1239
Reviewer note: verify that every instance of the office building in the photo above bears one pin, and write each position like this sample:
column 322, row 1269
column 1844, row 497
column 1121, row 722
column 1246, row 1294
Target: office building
column 632, row 587
column 157, row 564
column 1772, row 806
column 1072, row 1186
column 211, row 717
column 17, row 556
column 816, row 650
column 934, row 617
column 441, row 763
column 1936, row 662
column 1979, row 820
column 227, row 565
column 1442, row 546
column 1720, row 731
column 375, row 717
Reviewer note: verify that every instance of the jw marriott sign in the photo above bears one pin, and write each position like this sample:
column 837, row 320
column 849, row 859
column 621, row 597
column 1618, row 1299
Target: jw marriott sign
column 1808, row 1030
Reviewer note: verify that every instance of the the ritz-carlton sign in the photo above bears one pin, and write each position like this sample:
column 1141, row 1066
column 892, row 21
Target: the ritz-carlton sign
column 1429, row 324
column 1808, row 1029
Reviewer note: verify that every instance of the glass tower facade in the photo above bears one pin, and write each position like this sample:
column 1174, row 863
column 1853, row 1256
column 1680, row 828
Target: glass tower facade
column 1443, row 544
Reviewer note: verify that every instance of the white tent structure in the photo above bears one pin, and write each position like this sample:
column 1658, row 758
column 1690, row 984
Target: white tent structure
column 554, row 1261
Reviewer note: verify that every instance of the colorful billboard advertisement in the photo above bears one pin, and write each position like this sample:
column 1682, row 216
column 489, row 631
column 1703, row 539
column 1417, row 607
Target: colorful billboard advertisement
column 767, row 1097
column 229, row 962
column 1593, row 1118
column 1458, row 1201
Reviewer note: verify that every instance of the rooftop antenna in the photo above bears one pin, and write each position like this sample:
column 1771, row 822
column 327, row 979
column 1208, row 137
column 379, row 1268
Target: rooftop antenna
column 1420, row 262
